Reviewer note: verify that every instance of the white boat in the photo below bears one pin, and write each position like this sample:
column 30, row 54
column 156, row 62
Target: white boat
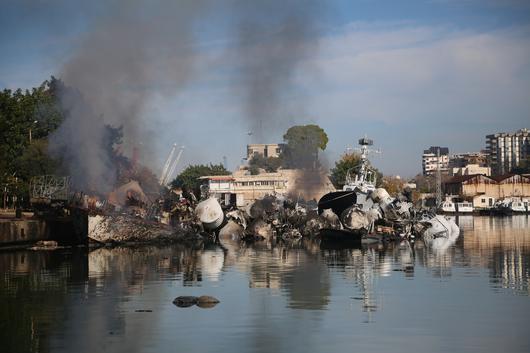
column 464, row 207
column 448, row 206
column 359, row 184
column 364, row 177
column 517, row 206
column 510, row 206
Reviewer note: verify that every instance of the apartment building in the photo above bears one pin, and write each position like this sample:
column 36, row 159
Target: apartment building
column 433, row 158
column 506, row 150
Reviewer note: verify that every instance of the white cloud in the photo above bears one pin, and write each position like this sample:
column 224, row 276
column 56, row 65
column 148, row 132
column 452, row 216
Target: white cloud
column 417, row 76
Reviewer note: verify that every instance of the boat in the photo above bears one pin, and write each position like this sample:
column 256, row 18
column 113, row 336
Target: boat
column 356, row 188
column 448, row 206
column 340, row 238
column 464, row 207
column 510, row 206
column 359, row 183
column 364, row 211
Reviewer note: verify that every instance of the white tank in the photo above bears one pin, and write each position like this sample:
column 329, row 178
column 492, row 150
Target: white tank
column 210, row 213
column 381, row 197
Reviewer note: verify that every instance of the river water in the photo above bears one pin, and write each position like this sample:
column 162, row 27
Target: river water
column 471, row 297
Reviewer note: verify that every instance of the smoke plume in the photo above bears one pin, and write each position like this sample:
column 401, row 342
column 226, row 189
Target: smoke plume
column 272, row 53
column 137, row 51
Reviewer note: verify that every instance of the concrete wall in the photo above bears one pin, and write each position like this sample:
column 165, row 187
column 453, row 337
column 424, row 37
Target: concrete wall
column 22, row 231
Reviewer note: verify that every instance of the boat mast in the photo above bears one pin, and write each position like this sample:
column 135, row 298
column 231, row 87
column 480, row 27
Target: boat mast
column 363, row 172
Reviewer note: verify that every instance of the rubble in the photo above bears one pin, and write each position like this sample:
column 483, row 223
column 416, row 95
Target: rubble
column 124, row 228
column 362, row 216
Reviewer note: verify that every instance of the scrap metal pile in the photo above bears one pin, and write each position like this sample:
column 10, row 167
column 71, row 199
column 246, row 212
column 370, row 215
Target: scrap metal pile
column 345, row 215
column 379, row 217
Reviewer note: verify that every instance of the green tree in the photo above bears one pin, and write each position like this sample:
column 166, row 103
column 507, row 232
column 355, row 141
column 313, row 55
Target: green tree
column 303, row 143
column 270, row 164
column 35, row 161
column 189, row 177
column 27, row 117
column 349, row 163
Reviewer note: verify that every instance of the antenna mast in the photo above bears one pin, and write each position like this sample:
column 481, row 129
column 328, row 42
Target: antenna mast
column 438, row 180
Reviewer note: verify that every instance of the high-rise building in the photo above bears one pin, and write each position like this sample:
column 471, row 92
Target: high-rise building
column 507, row 150
column 433, row 158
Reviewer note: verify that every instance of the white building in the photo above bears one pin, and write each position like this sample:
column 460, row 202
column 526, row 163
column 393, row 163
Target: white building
column 241, row 187
column 470, row 169
column 506, row 150
column 264, row 150
column 433, row 158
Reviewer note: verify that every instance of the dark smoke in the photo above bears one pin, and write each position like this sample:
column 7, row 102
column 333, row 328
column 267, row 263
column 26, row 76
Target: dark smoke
column 272, row 53
column 139, row 50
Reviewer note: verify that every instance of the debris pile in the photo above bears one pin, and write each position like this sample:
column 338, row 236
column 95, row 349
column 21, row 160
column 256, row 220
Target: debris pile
column 349, row 214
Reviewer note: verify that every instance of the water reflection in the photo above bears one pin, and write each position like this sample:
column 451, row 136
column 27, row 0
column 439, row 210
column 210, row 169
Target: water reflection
column 57, row 300
column 501, row 244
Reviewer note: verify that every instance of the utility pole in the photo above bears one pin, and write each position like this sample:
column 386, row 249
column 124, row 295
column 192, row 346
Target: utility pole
column 438, row 179
column 30, row 137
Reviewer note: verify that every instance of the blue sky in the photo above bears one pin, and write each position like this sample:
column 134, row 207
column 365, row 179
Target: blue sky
column 410, row 74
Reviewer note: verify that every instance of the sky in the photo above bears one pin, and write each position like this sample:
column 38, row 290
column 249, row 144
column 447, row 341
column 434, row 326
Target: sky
column 409, row 74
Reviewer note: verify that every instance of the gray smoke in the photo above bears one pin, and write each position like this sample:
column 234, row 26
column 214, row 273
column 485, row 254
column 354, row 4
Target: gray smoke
column 131, row 53
column 272, row 53
column 139, row 50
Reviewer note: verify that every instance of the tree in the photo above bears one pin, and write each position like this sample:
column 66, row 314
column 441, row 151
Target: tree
column 28, row 115
column 303, row 143
column 189, row 177
column 425, row 184
column 35, row 161
column 349, row 162
column 270, row 164
column 393, row 185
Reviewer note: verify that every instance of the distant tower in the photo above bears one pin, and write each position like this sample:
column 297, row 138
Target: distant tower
column 438, row 180
column 225, row 162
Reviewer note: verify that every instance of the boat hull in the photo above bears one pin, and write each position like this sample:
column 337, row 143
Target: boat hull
column 337, row 238
column 337, row 201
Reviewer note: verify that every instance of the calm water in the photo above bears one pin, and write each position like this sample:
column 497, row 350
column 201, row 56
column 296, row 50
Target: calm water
column 473, row 297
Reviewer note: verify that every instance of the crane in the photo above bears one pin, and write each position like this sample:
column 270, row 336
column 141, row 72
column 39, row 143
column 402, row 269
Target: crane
column 167, row 165
column 173, row 166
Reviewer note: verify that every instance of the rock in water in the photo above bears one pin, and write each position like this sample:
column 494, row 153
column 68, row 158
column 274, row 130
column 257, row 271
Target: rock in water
column 205, row 302
column 185, row 301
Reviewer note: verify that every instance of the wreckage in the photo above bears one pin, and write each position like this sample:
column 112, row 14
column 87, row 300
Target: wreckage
column 366, row 212
column 360, row 213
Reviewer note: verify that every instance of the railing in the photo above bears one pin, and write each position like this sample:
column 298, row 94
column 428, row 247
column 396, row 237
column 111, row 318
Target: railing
column 50, row 188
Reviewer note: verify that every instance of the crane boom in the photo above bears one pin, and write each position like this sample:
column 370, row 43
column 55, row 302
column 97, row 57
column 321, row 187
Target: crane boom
column 169, row 159
column 173, row 166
